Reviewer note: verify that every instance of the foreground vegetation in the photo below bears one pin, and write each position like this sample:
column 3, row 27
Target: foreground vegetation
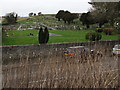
column 58, row 71
column 23, row 37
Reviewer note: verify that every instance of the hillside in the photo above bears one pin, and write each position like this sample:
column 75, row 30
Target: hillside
column 47, row 20
column 19, row 34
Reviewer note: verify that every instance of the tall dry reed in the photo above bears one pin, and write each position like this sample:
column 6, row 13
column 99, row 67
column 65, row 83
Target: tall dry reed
column 54, row 70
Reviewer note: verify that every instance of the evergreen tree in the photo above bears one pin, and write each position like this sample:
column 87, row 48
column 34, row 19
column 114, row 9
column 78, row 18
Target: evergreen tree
column 46, row 34
column 43, row 36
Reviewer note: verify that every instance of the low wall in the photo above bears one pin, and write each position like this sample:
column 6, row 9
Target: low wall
column 16, row 51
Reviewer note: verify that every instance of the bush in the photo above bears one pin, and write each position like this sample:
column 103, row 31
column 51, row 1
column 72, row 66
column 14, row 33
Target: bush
column 93, row 36
column 108, row 31
column 99, row 30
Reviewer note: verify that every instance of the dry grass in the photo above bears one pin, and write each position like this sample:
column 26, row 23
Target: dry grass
column 57, row 71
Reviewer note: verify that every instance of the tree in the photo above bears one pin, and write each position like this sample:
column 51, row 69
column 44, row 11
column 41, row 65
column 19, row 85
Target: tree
column 69, row 17
column 108, row 10
column 34, row 14
column 83, row 18
column 75, row 16
column 40, row 36
column 30, row 14
column 60, row 14
column 89, row 18
column 66, row 17
column 39, row 13
column 43, row 36
column 117, row 24
column 46, row 35
column 11, row 18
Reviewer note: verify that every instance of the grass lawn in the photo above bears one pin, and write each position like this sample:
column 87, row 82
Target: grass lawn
column 24, row 38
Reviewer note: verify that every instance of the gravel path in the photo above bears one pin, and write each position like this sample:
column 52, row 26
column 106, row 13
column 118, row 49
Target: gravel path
column 52, row 34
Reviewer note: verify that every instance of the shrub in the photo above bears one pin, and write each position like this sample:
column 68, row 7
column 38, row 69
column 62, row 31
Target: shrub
column 43, row 36
column 99, row 30
column 108, row 31
column 93, row 36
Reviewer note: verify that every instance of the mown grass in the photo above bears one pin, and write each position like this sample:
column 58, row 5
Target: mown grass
column 23, row 37
column 20, row 38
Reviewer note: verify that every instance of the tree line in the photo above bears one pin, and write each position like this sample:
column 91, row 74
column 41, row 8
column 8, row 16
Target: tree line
column 101, row 13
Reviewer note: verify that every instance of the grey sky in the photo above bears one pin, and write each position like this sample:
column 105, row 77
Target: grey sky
column 23, row 7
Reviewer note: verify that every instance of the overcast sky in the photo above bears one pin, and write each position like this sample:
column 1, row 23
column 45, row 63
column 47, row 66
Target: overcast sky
column 23, row 7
